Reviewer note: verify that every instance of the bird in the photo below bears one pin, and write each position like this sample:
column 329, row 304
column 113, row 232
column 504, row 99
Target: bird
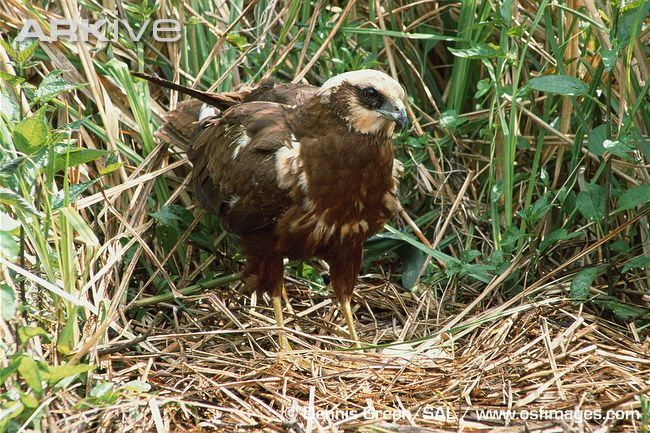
column 296, row 171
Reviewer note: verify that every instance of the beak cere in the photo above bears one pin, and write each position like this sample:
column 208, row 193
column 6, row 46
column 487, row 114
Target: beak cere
column 396, row 112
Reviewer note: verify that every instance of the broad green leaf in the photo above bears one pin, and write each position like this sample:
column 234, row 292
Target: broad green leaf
column 9, row 410
column 29, row 400
column 12, row 199
column 596, row 139
column 66, row 337
column 9, row 224
column 86, row 235
column 449, row 119
column 110, row 168
column 481, row 51
column 582, row 283
column 8, row 168
column 27, row 332
column 52, row 85
column 31, row 133
column 9, row 247
column 438, row 255
column 29, row 371
column 12, row 79
column 10, row 369
column 637, row 262
column 74, row 192
column 236, row 40
column 7, row 303
column 591, row 203
column 559, row 84
column 621, row 310
column 556, row 236
column 104, row 392
column 136, row 385
column 8, row 107
column 55, row 373
column 618, row 148
column 26, row 52
column 609, row 57
column 412, row 260
column 76, row 157
column 637, row 196
column 620, row 246
column 168, row 215
column 101, row 389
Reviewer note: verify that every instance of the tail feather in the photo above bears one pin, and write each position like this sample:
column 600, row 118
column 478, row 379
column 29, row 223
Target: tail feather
column 220, row 100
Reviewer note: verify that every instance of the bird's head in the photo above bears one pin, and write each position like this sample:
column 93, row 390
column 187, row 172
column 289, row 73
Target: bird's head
column 369, row 101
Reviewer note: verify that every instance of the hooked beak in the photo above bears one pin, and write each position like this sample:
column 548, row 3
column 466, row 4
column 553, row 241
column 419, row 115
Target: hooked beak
column 395, row 111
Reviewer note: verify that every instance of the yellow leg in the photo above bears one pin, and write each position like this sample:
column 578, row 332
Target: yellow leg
column 347, row 312
column 279, row 320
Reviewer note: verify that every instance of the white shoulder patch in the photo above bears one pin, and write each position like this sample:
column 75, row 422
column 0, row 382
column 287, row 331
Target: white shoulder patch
column 206, row 112
column 242, row 141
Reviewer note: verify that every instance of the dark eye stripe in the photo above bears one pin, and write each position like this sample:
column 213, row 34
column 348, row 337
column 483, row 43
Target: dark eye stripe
column 370, row 97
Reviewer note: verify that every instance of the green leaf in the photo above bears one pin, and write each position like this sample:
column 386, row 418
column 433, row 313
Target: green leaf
column 66, row 337
column 596, row 139
column 101, row 389
column 77, row 156
column 556, row 236
column 619, row 245
column 26, row 53
column 448, row 260
column 166, row 215
column 28, row 370
column 481, row 51
column 449, row 119
column 9, row 410
column 412, row 261
column 621, row 310
column 609, row 57
column 52, row 85
column 55, row 373
column 560, row 85
column 29, row 400
column 582, row 283
column 618, row 148
column 7, row 303
column 8, row 224
column 25, row 333
column 236, row 40
column 86, row 235
column 137, row 386
column 9, row 247
column 8, row 107
column 74, row 192
column 31, row 133
column 12, row 199
column 591, row 203
column 12, row 79
column 9, row 370
column 110, row 168
column 637, row 262
column 637, row 196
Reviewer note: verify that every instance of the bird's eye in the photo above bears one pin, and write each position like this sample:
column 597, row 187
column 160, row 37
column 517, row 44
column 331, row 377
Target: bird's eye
column 371, row 93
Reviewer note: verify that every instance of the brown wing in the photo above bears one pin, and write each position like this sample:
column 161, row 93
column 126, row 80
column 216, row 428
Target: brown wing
column 180, row 126
column 234, row 165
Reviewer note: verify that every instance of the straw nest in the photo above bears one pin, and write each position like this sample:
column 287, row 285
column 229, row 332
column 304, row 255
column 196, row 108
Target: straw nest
column 214, row 367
